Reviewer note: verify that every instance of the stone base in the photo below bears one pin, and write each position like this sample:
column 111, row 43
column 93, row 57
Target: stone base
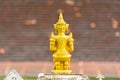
column 61, row 71
column 63, row 77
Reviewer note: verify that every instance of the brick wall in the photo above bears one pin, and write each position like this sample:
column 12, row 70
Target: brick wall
column 25, row 26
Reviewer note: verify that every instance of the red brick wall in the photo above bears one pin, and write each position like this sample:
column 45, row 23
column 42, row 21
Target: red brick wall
column 25, row 26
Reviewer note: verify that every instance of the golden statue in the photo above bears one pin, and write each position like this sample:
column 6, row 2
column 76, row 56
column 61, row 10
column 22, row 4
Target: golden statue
column 61, row 44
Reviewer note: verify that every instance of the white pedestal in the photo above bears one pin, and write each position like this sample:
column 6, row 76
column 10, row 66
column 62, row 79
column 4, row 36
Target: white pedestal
column 63, row 77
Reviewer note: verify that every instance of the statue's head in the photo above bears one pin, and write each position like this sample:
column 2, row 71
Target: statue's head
column 61, row 25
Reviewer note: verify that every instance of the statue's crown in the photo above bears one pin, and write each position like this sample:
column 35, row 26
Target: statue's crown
column 61, row 20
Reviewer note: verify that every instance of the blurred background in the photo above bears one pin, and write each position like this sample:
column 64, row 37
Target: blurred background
column 26, row 25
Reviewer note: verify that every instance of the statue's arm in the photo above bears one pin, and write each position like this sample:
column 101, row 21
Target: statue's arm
column 52, row 42
column 71, row 43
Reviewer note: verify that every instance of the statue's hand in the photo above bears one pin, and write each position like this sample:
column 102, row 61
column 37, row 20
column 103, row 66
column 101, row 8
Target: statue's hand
column 52, row 42
column 52, row 34
column 70, row 43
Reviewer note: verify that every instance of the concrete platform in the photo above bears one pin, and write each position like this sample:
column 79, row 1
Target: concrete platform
column 63, row 77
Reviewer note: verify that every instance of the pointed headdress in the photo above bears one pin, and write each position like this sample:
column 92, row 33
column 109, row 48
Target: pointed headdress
column 61, row 21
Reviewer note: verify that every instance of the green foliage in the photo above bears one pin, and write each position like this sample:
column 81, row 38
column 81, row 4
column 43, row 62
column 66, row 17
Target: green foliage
column 30, row 78
column 25, row 78
column 105, row 78
column 1, row 77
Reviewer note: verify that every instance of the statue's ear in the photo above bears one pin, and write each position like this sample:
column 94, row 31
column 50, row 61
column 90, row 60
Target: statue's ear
column 66, row 30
